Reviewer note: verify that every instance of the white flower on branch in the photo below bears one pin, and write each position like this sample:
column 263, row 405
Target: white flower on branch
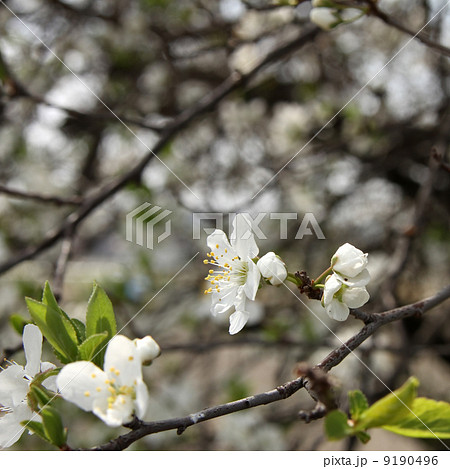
column 117, row 392
column 349, row 265
column 15, row 382
column 272, row 268
column 237, row 278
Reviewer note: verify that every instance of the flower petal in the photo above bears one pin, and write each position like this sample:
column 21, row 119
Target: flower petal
column 122, row 361
column 32, row 344
column 360, row 280
column 332, row 286
column 237, row 321
column 218, row 242
column 10, row 428
column 355, row 297
column 147, row 348
column 82, row 383
column 223, row 301
column 337, row 310
column 253, row 276
column 142, row 398
column 242, row 238
column 13, row 386
column 118, row 412
column 349, row 261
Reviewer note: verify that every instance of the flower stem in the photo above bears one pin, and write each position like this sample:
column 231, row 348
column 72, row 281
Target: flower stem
column 292, row 278
column 321, row 277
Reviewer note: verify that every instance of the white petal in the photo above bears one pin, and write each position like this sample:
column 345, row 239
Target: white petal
column 223, row 301
column 253, row 276
column 82, row 383
column 142, row 399
column 218, row 242
column 32, row 344
column 117, row 413
column 242, row 238
column 10, row 428
column 122, row 361
column 13, row 386
column 332, row 286
column 148, row 349
column 355, row 297
column 238, row 321
column 337, row 310
column 360, row 280
column 349, row 261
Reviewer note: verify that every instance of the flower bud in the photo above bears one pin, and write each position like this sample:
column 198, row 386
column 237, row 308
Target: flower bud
column 272, row 268
column 324, row 17
column 349, row 261
column 147, row 349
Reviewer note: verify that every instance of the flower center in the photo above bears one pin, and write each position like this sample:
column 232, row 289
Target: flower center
column 234, row 271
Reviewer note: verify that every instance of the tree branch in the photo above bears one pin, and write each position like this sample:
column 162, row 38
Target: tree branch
column 233, row 82
column 141, row 429
column 422, row 37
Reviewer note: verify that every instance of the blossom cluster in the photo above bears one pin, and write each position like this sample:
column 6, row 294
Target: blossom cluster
column 328, row 14
column 114, row 394
column 237, row 272
column 346, row 287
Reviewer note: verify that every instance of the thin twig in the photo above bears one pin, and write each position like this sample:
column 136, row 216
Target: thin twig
column 34, row 196
column 422, row 37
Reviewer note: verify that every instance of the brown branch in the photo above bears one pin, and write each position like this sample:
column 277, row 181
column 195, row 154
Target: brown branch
column 41, row 197
column 141, row 429
column 235, row 81
column 422, row 37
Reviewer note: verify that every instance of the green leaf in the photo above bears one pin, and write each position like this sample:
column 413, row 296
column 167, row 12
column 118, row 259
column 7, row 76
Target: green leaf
column 53, row 426
column 100, row 317
column 336, row 425
column 35, row 427
column 91, row 348
column 41, row 396
column 434, row 414
column 390, row 409
column 358, row 404
column 80, row 329
column 18, row 323
column 57, row 329
column 49, row 299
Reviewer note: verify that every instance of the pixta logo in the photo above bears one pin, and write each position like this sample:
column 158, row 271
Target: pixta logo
column 143, row 225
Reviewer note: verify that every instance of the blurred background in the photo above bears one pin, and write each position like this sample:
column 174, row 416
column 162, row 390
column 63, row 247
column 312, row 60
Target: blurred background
column 365, row 177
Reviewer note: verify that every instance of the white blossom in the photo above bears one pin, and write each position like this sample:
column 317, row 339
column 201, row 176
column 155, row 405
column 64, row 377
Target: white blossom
column 349, row 265
column 237, row 278
column 15, row 382
column 338, row 298
column 272, row 268
column 117, row 392
column 324, row 17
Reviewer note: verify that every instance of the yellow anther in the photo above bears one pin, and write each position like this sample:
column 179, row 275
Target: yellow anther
column 117, row 372
column 111, row 390
column 217, row 246
column 98, row 389
column 87, row 393
column 211, row 272
column 107, row 381
column 209, row 290
column 93, row 375
column 130, row 358
column 206, row 261
column 112, row 369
